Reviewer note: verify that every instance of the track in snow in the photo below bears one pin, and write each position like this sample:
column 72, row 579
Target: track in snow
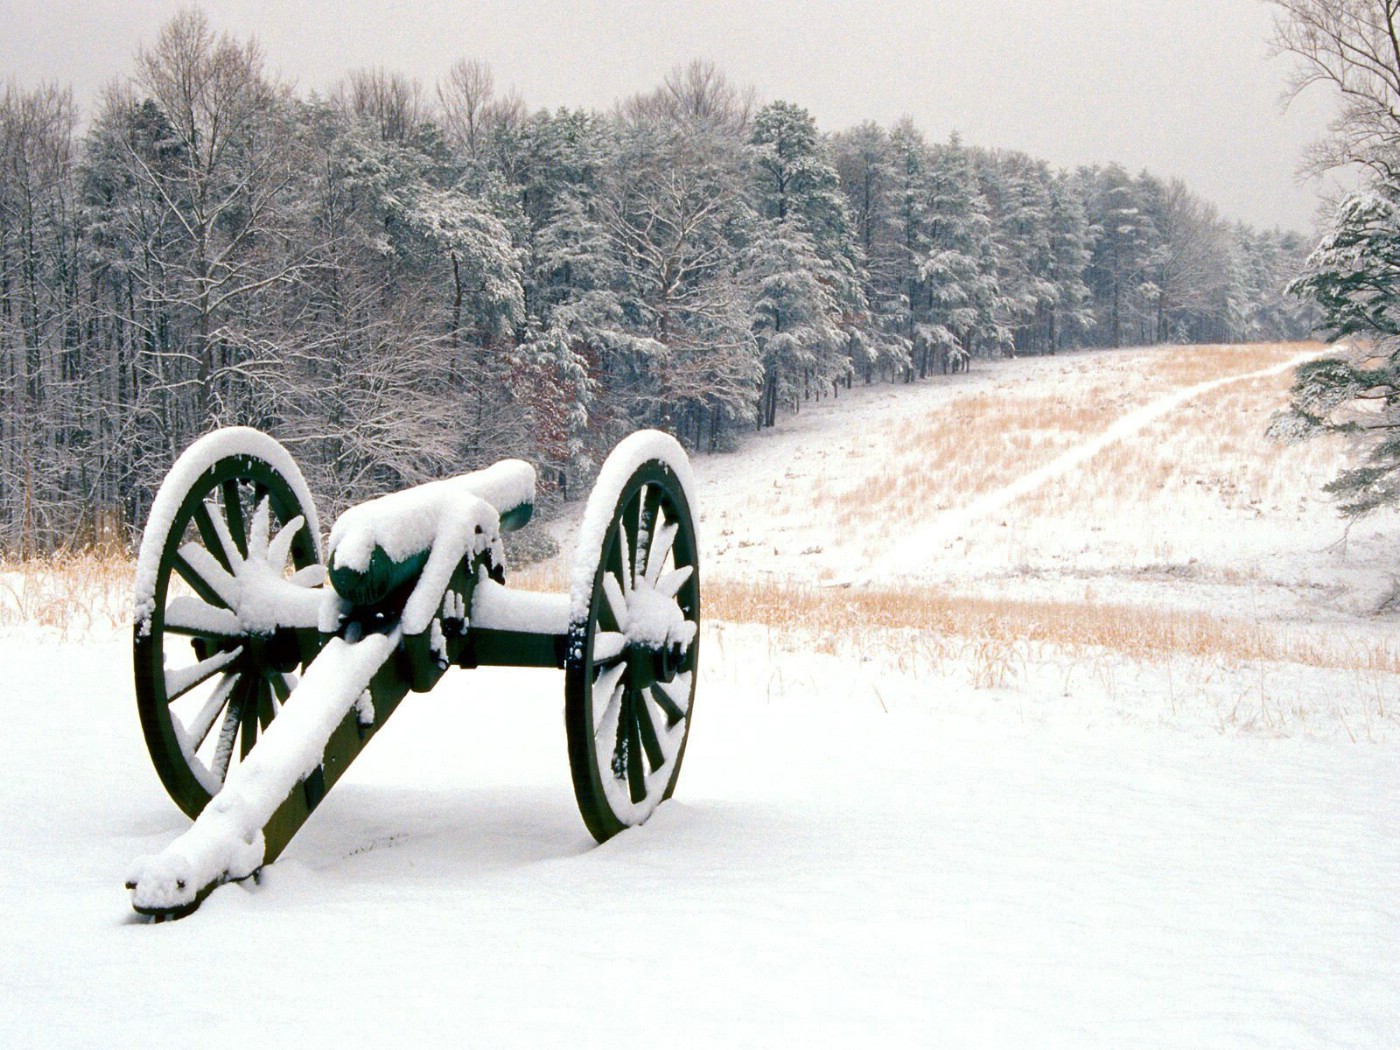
column 951, row 523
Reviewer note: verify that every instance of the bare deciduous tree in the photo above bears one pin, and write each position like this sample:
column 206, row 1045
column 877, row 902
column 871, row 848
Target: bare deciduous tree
column 1354, row 46
column 222, row 184
column 391, row 103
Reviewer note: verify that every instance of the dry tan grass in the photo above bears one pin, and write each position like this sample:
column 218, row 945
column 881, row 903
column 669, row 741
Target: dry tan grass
column 1189, row 365
column 953, row 621
column 984, row 441
column 977, row 444
column 70, row 592
column 1216, row 444
column 991, row 637
column 548, row 576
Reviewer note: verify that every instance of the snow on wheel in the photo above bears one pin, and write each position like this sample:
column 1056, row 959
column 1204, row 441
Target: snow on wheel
column 633, row 645
column 227, row 601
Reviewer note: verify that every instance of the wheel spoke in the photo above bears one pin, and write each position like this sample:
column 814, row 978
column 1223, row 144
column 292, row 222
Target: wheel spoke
column 252, row 699
column 209, row 533
column 265, row 712
column 233, row 514
column 670, row 585
column 646, row 729
column 665, row 539
column 624, row 573
column 673, row 713
column 651, row 501
column 632, row 550
column 606, row 621
column 226, row 543
column 606, row 686
column 198, row 730
column 636, row 775
column 282, row 686
column 616, row 601
column 608, row 647
column 182, row 679
column 186, row 614
column 280, row 549
column 674, row 696
column 605, row 728
column 223, row 753
column 310, row 576
column 261, row 529
column 201, row 570
column 196, row 583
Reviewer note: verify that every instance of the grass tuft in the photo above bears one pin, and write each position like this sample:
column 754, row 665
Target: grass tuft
column 71, row 592
column 988, row 631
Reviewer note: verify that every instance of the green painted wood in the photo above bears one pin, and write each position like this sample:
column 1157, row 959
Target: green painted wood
column 490, row 648
column 379, row 579
column 387, row 689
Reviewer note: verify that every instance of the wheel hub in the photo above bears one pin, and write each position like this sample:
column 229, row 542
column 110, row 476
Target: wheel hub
column 646, row 666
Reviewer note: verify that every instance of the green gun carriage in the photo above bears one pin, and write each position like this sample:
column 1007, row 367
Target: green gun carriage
column 263, row 668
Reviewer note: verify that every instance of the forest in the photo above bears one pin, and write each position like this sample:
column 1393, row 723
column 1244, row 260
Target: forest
column 403, row 282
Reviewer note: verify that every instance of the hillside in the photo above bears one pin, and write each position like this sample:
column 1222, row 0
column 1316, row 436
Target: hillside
column 1039, row 706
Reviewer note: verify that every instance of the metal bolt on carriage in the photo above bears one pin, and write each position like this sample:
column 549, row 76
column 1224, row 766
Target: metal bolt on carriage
column 263, row 668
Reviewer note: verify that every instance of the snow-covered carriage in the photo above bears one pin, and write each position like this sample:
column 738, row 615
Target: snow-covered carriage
column 263, row 669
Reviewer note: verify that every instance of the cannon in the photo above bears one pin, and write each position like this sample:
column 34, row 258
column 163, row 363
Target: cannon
column 263, row 667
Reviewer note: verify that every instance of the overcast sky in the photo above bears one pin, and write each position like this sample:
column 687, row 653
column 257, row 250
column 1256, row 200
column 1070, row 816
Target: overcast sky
column 1181, row 87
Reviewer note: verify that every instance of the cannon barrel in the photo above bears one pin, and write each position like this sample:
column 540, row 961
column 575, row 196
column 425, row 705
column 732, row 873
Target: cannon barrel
column 383, row 545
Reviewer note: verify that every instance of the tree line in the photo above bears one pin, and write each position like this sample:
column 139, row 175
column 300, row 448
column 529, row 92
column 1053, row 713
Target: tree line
column 402, row 283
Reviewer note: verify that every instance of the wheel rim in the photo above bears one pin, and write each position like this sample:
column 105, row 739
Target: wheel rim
column 234, row 618
column 630, row 682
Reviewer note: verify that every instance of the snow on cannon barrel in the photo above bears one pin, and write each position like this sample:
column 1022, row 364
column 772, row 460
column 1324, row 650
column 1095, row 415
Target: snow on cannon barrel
column 258, row 686
column 379, row 547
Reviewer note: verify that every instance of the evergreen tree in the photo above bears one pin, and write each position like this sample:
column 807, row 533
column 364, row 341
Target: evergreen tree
column 1070, row 316
column 1018, row 191
column 1123, row 241
column 905, row 298
column 865, row 163
column 1352, row 276
column 963, row 312
column 803, row 261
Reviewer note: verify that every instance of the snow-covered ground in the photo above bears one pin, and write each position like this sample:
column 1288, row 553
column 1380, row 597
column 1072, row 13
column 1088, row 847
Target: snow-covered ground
column 1053, row 840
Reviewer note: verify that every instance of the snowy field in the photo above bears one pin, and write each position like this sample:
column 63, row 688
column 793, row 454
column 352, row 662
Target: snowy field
column 1043, row 706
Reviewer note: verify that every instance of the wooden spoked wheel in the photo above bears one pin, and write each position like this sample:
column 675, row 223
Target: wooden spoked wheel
column 227, row 607
column 633, row 646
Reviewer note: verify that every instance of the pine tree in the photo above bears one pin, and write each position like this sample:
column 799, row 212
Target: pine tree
column 804, row 261
column 1019, row 194
column 1070, row 316
column 865, row 163
column 965, row 314
column 1124, row 238
column 1352, row 276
